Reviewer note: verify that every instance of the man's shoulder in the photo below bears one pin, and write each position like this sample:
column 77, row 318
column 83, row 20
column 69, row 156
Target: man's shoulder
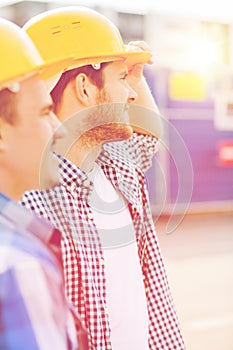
column 138, row 151
column 21, row 241
column 19, row 227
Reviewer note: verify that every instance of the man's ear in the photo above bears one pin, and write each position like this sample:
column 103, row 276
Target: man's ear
column 84, row 89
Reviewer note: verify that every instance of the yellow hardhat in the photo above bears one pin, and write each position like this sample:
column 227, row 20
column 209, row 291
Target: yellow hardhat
column 19, row 57
column 82, row 32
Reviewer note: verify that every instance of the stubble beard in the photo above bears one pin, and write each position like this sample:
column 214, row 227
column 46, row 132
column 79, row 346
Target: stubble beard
column 108, row 122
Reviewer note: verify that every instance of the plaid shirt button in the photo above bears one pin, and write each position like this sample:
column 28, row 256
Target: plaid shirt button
column 90, row 216
column 73, row 187
column 119, row 176
column 86, row 182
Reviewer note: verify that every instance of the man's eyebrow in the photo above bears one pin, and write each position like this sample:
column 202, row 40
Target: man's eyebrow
column 48, row 108
column 124, row 73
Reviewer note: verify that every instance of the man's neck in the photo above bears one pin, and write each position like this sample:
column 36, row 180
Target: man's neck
column 83, row 157
column 10, row 187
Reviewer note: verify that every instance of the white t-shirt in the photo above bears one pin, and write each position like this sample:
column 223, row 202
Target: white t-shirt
column 126, row 300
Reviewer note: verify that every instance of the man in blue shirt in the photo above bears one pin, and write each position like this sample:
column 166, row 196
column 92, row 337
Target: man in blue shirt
column 34, row 312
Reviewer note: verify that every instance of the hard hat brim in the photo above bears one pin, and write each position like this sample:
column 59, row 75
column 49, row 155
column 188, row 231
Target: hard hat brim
column 50, row 68
column 130, row 58
column 137, row 57
column 45, row 70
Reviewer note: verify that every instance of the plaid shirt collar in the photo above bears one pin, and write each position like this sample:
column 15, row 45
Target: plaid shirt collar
column 74, row 179
column 27, row 223
column 125, row 182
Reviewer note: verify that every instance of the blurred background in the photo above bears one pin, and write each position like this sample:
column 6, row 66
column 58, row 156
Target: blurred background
column 191, row 179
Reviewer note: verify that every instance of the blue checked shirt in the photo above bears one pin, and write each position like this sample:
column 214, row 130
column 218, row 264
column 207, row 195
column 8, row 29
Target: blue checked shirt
column 124, row 164
column 34, row 314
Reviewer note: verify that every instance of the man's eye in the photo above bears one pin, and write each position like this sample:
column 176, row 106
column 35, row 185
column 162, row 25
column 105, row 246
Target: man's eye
column 47, row 112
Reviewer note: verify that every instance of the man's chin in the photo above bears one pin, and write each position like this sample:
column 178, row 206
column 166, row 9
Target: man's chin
column 108, row 133
column 120, row 132
column 49, row 173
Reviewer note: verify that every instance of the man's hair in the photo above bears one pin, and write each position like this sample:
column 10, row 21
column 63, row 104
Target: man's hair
column 95, row 75
column 8, row 105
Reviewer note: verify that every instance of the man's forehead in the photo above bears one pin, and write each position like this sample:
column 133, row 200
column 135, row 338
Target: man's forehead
column 119, row 66
column 34, row 90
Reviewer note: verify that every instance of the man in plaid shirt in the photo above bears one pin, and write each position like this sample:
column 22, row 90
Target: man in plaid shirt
column 34, row 312
column 114, row 269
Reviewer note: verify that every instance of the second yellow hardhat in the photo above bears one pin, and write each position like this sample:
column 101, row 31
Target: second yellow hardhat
column 81, row 32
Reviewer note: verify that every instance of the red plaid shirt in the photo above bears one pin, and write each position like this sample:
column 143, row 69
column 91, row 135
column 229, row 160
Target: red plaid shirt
column 124, row 164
